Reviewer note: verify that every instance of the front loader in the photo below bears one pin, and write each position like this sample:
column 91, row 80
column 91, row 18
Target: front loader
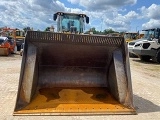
column 7, row 42
column 70, row 73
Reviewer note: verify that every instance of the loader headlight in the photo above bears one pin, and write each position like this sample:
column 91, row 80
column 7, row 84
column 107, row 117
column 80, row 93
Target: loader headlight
column 146, row 45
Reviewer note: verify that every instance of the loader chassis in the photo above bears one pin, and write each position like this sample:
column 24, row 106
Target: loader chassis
column 148, row 47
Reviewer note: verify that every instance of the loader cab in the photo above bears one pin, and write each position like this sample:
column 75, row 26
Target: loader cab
column 151, row 34
column 70, row 22
column 20, row 33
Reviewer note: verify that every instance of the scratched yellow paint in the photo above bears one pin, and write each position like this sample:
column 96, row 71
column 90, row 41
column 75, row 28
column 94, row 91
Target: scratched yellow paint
column 70, row 100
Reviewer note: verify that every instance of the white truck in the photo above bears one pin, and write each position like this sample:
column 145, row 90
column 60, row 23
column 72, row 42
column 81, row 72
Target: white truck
column 147, row 47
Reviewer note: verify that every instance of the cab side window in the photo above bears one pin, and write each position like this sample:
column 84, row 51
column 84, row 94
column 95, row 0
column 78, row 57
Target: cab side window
column 156, row 35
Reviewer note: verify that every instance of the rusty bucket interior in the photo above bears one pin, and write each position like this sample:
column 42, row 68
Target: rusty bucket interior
column 70, row 74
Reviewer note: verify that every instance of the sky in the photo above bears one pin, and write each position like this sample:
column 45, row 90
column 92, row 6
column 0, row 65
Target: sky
column 118, row 15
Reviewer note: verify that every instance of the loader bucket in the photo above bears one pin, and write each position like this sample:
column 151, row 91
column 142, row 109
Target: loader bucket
column 72, row 74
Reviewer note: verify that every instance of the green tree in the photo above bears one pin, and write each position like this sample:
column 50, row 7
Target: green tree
column 107, row 31
column 27, row 28
column 47, row 29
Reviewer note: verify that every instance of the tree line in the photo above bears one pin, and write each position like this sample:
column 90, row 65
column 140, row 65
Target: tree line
column 93, row 30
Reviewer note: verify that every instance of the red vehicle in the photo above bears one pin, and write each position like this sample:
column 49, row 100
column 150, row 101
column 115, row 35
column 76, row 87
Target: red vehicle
column 7, row 45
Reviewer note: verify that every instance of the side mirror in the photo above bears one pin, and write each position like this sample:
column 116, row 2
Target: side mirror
column 87, row 19
column 55, row 17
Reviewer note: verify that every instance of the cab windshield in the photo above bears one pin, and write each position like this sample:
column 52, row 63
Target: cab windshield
column 71, row 23
column 150, row 34
column 19, row 33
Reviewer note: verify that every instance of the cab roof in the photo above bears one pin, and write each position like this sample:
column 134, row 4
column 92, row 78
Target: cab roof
column 60, row 13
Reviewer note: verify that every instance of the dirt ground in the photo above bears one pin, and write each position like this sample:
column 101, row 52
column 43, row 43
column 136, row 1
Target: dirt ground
column 145, row 82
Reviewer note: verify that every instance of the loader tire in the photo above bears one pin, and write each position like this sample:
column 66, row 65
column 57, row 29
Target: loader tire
column 157, row 57
column 145, row 58
column 131, row 55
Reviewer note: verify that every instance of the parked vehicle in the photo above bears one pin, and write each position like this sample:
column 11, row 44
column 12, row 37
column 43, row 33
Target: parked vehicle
column 10, row 34
column 20, row 36
column 16, row 34
column 6, row 46
column 148, row 47
column 130, row 36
